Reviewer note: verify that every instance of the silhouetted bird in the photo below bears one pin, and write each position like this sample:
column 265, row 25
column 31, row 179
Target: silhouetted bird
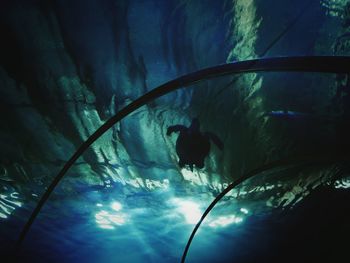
column 192, row 146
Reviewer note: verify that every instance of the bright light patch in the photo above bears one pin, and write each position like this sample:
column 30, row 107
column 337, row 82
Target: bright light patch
column 3, row 215
column 109, row 219
column 14, row 195
column 344, row 183
column 134, row 183
column 223, row 221
column 105, row 218
column 106, row 226
column 8, row 203
column 154, row 184
column 188, row 209
column 117, row 219
column 116, row 206
column 244, row 210
column 195, row 177
column 238, row 220
column 6, row 208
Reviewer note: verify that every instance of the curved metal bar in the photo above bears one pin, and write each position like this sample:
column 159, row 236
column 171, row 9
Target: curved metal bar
column 330, row 64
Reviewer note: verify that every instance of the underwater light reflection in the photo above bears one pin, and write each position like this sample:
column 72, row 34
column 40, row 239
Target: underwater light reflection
column 192, row 213
column 343, row 183
column 244, row 210
column 223, row 221
column 8, row 204
column 154, row 184
column 189, row 210
column 196, row 177
column 116, row 206
column 109, row 219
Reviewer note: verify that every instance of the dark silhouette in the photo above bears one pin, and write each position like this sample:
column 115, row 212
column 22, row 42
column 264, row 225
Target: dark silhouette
column 192, row 146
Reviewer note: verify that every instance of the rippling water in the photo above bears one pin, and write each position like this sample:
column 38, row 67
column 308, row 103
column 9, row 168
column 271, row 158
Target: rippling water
column 68, row 66
column 106, row 226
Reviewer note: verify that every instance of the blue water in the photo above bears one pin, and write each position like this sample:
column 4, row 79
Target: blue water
column 105, row 226
column 88, row 59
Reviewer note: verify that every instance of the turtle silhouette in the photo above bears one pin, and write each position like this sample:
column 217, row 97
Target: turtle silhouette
column 192, row 146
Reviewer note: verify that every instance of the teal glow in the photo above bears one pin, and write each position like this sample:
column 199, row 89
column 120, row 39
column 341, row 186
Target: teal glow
column 116, row 206
column 110, row 219
column 244, row 210
column 343, row 183
column 3, row 215
column 188, row 209
column 223, row 221
column 8, row 204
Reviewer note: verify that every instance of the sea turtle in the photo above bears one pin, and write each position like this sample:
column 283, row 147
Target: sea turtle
column 192, row 146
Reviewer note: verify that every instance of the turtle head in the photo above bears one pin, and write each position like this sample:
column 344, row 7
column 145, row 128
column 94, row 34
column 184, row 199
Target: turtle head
column 195, row 125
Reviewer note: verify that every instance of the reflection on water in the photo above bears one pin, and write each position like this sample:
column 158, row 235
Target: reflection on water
column 190, row 210
column 180, row 210
column 8, row 203
column 154, row 219
column 225, row 221
column 108, row 219
column 244, row 211
column 343, row 183
column 159, row 220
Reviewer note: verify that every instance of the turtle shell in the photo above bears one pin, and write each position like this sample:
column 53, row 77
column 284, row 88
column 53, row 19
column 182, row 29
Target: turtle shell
column 192, row 148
